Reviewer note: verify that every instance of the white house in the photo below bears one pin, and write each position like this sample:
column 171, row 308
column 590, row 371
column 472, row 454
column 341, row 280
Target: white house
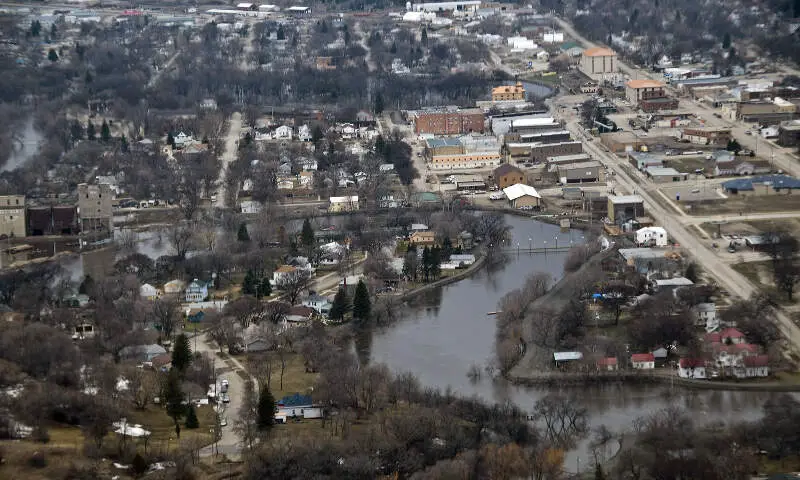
column 181, row 139
column 304, row 133
column 297, row 406
column 283, row 132
column 386, row 168
column 643, row 361
column 691, row 368
column 309, row 164
column 197, row 291
column 705, row 315
column 321, row 304
column 148, row 291
column 652, row 236
column 466, row 259
column 174, row 287
column 754, row 366
column 284, row 271
column 250, row 206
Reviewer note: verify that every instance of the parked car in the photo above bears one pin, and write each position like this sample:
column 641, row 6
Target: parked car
column 223, row 422
column 224, row 385
column 226, row 398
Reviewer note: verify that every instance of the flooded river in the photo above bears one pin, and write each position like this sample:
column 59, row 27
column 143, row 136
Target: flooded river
column 448, row 330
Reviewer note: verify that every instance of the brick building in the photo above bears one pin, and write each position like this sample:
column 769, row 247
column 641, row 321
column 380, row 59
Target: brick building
column 537, row 152
column 506, row 175
column 449, row 122
column 649, row 95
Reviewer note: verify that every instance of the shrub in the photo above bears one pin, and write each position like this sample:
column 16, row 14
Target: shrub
column 37, row 460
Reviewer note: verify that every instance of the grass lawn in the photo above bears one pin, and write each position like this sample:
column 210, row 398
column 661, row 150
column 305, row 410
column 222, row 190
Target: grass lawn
column 295, row 377
column 744, row 203
column 760, row 273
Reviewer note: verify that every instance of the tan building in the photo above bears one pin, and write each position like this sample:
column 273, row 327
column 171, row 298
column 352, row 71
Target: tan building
column 464, row 161
column 12, row 216
column 95, row 210
column 638, row 90
column 521, row 195
column 422, row 239
column 506, row 175
column 598, row 62
column 707, row 136
column 508, row 92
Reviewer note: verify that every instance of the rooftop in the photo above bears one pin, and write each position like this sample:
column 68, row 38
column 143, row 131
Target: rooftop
column 572, row 166
column 520, row 190
column 505, row 169
column 443, row 142
column 629, row 253
column 662, row 171
column 599, row 52
column 644, row 83
column 674, row 282
column 518, row 88
column 563, row 356
column 623, row 199
column 532, row 122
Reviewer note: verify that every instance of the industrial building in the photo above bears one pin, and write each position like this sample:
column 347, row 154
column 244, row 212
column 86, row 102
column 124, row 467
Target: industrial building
column 598, row 62
column 789, row 134
column 448, row 121
column 579, row 172
column 664, row 174
column 622, row 208
column 539, row 152
column 12, row 216
column 95, row 208
column 521, row 195
column 506, row 175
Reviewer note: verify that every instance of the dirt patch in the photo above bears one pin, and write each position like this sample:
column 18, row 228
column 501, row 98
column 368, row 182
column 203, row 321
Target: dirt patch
column 736, row 204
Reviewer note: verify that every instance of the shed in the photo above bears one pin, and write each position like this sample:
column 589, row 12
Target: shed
column 523, row 195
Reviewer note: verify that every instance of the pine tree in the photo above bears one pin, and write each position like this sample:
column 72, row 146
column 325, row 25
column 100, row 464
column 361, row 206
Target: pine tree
column 281, row 33
column 346, row 37
column 53, row 30
column 424, row 36
column 726, row 41
column 173, row 399
column 123, row 144
column 243, row 235
column 52, row 55
column 191, row 417
column 435, row 262
column 266, row 410
column 249, row 283
column 36, row 28
column 379, row 106
column 105, row 132
column 181, row 354
column 340, row 305
column 362, row 306
column 170, row 140
column 91, row 133
column 598, row 473
column 307, row 235
column 426, row 263
column 447, row 247
column 265, row 288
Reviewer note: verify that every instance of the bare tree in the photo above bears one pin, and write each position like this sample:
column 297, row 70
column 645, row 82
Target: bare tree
column 246, row 426
column 373, row 387
column 165, row 312
column 181, row 237
column 293, row 283
column 142, row 386
column 563, row 419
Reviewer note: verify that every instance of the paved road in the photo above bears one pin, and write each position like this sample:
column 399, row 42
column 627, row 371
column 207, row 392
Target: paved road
column 720, row 270
column 155, row 78
column 739, row 218
column 228, row 155
column 230, row 443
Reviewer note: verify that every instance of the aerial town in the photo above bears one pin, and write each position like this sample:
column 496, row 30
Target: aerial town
column 463, row 239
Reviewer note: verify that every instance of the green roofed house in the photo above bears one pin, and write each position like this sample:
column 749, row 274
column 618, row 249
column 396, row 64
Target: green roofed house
column 573, row 49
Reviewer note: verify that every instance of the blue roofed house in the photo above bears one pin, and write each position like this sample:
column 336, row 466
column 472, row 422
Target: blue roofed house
column 297, row 406
column 197, row 291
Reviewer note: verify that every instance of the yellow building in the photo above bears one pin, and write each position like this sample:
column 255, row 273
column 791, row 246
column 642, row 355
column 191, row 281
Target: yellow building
column 12, row 216
column 508, row 92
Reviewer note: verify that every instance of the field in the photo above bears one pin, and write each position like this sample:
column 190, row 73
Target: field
column 736, row 204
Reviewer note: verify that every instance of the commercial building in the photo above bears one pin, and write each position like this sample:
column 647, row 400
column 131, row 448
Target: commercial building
column 508, row 92
column 579, row 172
column 533, row 125
column 468, row 6
column 444, row 146
column 56, row 220
column 506, row 175
column 664, row 174
column 12, row 216
column 622, row 208
column 707, row 136
column 449, row 121
column 521, row 195
column 766, row 113
column 469, row 182
column 789, row 134
column 598, row 62
column 95, row 210
column 501, row 123
column 540, row 152
column 549, row 136
column 554, row 162
column 644, row 160
column 651, row 237
column 649, row 95
column 464, row 161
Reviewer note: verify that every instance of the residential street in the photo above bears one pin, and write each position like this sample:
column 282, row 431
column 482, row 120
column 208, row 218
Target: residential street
column 230, row 444
column 228, row 155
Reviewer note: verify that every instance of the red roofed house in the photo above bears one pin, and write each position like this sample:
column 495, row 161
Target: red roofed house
column 643, row 361
column 692, row 368
column 754, row 366
column 608, row 364
column 733, row 334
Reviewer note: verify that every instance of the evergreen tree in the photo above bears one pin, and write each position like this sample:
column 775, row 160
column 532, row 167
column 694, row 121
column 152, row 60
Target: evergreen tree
column 36, row 28
column 76, row 131
column 361, row 302
column 53, row 30
column 281, row 33
column 598, row 473
column 393, row 48
column 266, row 410
column 726, row 41
column 191, row 417
column 91, row 133
column 734, row 146
column 424, row 36
column 170, row 140
column 123, row 144
column 243, row 235
column 88, row 78
column 340, row 306
column 250, row 283
column 86, row 286
column 52, row 55
column 307, row 235
column 105, row 132
column 379, row 106
column 447, row 247
column 692, row 272
column 346, row 37
column 173, row 399
column 435, row 267
column 181, row 354
column 265, row 288
column 317, row 134
column 426, row 263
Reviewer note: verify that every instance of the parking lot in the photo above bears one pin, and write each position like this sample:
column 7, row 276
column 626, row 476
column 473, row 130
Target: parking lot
column 693, row 190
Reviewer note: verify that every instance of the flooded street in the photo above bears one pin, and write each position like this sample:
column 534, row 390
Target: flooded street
column 447, row 330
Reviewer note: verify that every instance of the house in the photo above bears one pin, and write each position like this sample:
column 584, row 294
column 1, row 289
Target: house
column 754, row 366
column 661, row 285
column 141, row 353
column 174, row 287
column 462, row 259
column 297, row 406
column 285, row 184
column 386, row 168
column 322, row 305
column 465, row 241
column 608, row 364
column 82, row 331
column 643, row 361
column 651, row 237
column 660, row 354
column 422, row 239
column 732, row 335
column 304, row 133
column 506, row 175
column 343, row 204
column 282, row 272
column 692, row 368
column 181, row 139
column 521, row 195
column 309, row 164
column 299, row 314
column 349, row 284
column 148, row 291
column 250, row 206
column 284, row 132
column 705, row 315
column 162, row 362
column 197, row 291
column 419, row 227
